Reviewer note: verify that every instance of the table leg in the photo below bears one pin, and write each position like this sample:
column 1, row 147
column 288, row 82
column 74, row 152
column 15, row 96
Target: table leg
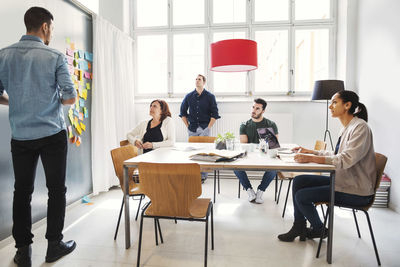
column 127, row 219
column 215, row 182
column 331, row 216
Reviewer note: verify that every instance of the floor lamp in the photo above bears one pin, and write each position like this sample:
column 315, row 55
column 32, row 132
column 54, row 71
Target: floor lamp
column 324, row 90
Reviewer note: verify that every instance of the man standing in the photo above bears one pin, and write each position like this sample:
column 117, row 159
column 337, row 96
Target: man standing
column 203, row 111
column 37, row 83
column 249, row 134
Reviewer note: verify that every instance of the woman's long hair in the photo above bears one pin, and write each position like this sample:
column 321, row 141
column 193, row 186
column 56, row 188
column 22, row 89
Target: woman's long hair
column 357, row 108
column 164, row 108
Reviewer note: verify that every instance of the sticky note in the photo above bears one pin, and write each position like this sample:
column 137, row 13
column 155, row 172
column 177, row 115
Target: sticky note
column 89, row 65
column 87, row 75
column 76, row 112
column 81, row 102
column 72, row 139
column 69, row 52
column 78, row 141
column 84, row 94
column 72, row 46
column 81, row 116
column 71, row 118
column 81, row 76
column 88, row 56
column 70, row 134
column 80, row 53
column 75, row 63
column 78, row 129
column 67, row 40
column 85, row 65
column 83, row 126
column 70, row 70
column 70, row 61
column 88, row 86
column 85, row 112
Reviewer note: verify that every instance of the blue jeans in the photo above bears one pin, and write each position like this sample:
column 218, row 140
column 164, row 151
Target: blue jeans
column 309, row 189
column 245, row 182
column 200, row 132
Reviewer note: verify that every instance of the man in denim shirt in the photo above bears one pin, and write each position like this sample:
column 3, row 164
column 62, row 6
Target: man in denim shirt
column 37, row 83
column 203, row 111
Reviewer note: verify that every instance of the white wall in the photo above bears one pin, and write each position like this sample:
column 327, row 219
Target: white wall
column 116, row 12
column 377, row 79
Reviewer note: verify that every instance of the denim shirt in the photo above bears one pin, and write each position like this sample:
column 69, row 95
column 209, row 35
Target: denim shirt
column 201, row 109
column 36, row 79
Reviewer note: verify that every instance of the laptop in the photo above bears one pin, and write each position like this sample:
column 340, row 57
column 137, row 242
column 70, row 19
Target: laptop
column 269, row 135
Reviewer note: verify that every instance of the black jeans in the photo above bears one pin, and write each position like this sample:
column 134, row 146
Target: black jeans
column 309, row 189
column 25, row 154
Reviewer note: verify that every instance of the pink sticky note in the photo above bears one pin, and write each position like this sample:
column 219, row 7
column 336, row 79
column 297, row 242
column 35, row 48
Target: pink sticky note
column 70, row 52
column 87, row 75
column 70, row 69
column 70, row 60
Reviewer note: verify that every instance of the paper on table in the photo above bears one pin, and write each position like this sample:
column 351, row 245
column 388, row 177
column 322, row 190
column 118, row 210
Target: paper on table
column 187, row 148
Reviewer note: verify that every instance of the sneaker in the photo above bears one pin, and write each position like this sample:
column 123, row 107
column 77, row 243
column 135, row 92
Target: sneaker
column 259, row 199
column 252, row 194
column 23, row 256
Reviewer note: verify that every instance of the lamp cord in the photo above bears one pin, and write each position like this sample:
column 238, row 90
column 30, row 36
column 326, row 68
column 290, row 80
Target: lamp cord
column 327, row 132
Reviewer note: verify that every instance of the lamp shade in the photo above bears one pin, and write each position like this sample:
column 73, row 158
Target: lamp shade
column 234, row 55
column 325, row 89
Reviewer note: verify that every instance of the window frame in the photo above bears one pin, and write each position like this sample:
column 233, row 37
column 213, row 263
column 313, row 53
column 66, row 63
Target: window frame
column 250, row 27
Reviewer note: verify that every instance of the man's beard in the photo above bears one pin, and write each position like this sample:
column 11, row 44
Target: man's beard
column 255, row 116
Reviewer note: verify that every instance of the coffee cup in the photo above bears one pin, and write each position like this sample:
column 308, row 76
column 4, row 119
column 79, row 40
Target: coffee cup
column 272, row 153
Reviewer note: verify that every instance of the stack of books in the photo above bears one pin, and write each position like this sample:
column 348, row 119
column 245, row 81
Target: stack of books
column 383, row 193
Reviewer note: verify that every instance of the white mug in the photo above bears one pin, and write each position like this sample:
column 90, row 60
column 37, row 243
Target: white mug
column 272, row 153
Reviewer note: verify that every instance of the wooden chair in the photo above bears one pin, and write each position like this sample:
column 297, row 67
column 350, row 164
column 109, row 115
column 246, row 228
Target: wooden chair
column 380, row 166
column 124, row 143
column 119, row 155
column 174, row 191
column 319, row 145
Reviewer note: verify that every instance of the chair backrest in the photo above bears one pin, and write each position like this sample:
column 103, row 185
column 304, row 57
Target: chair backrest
column 201, row 139
column 320, row 145
column 170, row 187
column 124, row 143
column 119, row 155
column 380, row 161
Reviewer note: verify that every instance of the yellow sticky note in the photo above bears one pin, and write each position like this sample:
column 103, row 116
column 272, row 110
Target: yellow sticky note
column 84, row 94
column 88, row 86
column 72, row 46
column 83, row 126
column 71, row 119
column 78, row 128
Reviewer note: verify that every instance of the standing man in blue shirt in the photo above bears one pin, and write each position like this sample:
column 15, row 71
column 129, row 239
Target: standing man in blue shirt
column 37, row 83
column 203, row 111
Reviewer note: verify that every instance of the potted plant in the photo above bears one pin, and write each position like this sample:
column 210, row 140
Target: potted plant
column 225, row 141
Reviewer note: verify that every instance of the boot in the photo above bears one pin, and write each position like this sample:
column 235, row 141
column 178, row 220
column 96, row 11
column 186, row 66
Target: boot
column 58, row 249
column 298, row 229
column 316, row 233
column 23, row 256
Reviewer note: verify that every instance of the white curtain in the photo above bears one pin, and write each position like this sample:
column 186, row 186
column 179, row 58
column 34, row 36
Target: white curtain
column 113, row 111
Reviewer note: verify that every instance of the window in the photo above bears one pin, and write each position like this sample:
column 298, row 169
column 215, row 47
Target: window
column 188, row 54
column 295, row 40
column 152, row 68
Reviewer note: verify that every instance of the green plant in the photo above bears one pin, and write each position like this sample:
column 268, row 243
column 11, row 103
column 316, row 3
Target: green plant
column 226, row 136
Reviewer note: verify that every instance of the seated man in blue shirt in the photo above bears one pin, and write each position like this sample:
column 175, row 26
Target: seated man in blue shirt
column 249, row 134
column 203, row 111
column 37, row 83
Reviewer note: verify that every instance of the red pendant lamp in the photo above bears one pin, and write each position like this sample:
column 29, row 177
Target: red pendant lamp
column 234, row 55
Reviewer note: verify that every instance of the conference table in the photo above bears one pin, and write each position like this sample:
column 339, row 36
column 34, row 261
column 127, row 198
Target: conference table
column 253, row 161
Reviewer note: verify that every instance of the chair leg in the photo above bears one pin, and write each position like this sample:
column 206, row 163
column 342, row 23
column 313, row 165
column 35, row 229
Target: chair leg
column 373, row 238
column 159, row 231
column 355, row 220
column 276, row 186
column 119, row 218
column 215, row 181
column 323, row 211
column 212, row 227
column 218, row 182
column 239, row 190
column 155, row 231
column 138, row 208
column 323, row 229
column 140, row 241
column 176, row 221
column 287, row 195
column 279, row 193
column 206, row 243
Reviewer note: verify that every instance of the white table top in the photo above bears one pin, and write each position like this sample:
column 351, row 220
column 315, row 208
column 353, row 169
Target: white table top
column 253, row 161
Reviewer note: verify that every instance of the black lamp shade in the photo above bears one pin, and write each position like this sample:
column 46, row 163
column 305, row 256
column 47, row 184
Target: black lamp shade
column 325, row 89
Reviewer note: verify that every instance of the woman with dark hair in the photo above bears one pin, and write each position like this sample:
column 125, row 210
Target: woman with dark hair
column 157, row 132
column 354, row 159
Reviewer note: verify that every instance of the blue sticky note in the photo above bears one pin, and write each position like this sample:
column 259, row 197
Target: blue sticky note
column 76, row 112
column 85, row 112
column 89, row 56
column 81, row 102
column 86, row 199
column 81, row 53
column 85, row 65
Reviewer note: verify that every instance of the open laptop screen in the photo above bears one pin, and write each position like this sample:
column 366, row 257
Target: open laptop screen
column 269, row 136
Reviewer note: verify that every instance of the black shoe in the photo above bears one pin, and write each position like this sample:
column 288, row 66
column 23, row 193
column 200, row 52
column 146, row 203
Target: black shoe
column 23, row 256
column 298, row 230
column 203, row 180
column 316, row 233
column 56, row 250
